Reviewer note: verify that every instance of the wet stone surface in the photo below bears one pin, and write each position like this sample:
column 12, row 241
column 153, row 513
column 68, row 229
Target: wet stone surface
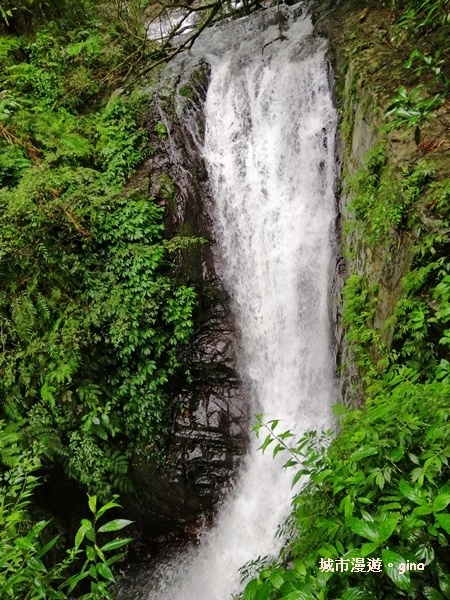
column 210, row 412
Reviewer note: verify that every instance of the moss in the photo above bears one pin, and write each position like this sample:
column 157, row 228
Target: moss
column 167, row 190
column 395, row 196
column 186, row 91
column 348, row 97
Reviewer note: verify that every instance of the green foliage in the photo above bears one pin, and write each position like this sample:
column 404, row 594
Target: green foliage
column 422, row 16
column 98, row 560
column 378, row 491
column 161, row 130
column 383, row 201
column 421, row 336
column 92, row 321
column 186, row 91
column 119, row 141
column 359, row 311
column 390, row 203
column 14, row 12
column 411, row 109
column 28, row 570
column 426, row 25
column 92, row 317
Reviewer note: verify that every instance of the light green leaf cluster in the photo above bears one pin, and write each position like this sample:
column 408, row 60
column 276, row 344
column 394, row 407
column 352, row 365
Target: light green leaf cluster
column 29, row 569
column 378, row 491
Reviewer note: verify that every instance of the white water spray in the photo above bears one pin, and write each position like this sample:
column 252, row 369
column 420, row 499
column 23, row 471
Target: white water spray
column 269, row 149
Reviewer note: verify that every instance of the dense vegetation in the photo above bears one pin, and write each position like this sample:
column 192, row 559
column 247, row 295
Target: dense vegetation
column 373, row 519
column 28, row 570
column 91, row 315
column 92, row 320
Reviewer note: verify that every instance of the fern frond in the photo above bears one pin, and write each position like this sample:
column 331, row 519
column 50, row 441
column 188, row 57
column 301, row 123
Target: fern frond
column 46, row 438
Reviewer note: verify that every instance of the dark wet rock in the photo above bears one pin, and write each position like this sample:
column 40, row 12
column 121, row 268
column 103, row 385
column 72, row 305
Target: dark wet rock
column 210, row 411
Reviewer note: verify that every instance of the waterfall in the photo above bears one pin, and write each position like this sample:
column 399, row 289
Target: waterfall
column 269, row 151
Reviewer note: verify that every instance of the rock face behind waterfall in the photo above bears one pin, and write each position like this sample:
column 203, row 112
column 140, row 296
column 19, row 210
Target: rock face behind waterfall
column 209, row 413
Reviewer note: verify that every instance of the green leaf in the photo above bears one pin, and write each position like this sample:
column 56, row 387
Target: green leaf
column 364, row 452
column 278, row 448
column 421, row 511
column 297, row 477
column 414, row 458
column 432, row 593
column 366, row 516
column 348, row 505
column 47, row 547
column 99, row 553
column 387, row 528
column 441, row 502
column 444, row 584
column 90, row 553
column 300, row 568
column 276, row 580
column 81, row 533
column 102, row 587
column 364, row 500
column 425, row 554
column 367, row 549
column 396, row 454
column 393, row 563
column 23, row 543
column 105, row 571
column 250, row 590
column 114, row 525
column 269, row 439
column 73, row 581
column 114, row 544
column 107, row 506
column 365, row 529
column 93, row 503
column 298, row 595
column 415, row 494
column 444, row 521
column 89, row 529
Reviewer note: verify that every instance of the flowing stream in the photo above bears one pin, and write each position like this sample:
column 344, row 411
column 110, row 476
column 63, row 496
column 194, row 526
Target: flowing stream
column 269, row 150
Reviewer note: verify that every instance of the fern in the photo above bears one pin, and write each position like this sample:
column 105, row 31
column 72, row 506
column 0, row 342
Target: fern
column 42, row 438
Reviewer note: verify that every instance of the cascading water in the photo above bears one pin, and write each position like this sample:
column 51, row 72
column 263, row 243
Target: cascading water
column 269, row 150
